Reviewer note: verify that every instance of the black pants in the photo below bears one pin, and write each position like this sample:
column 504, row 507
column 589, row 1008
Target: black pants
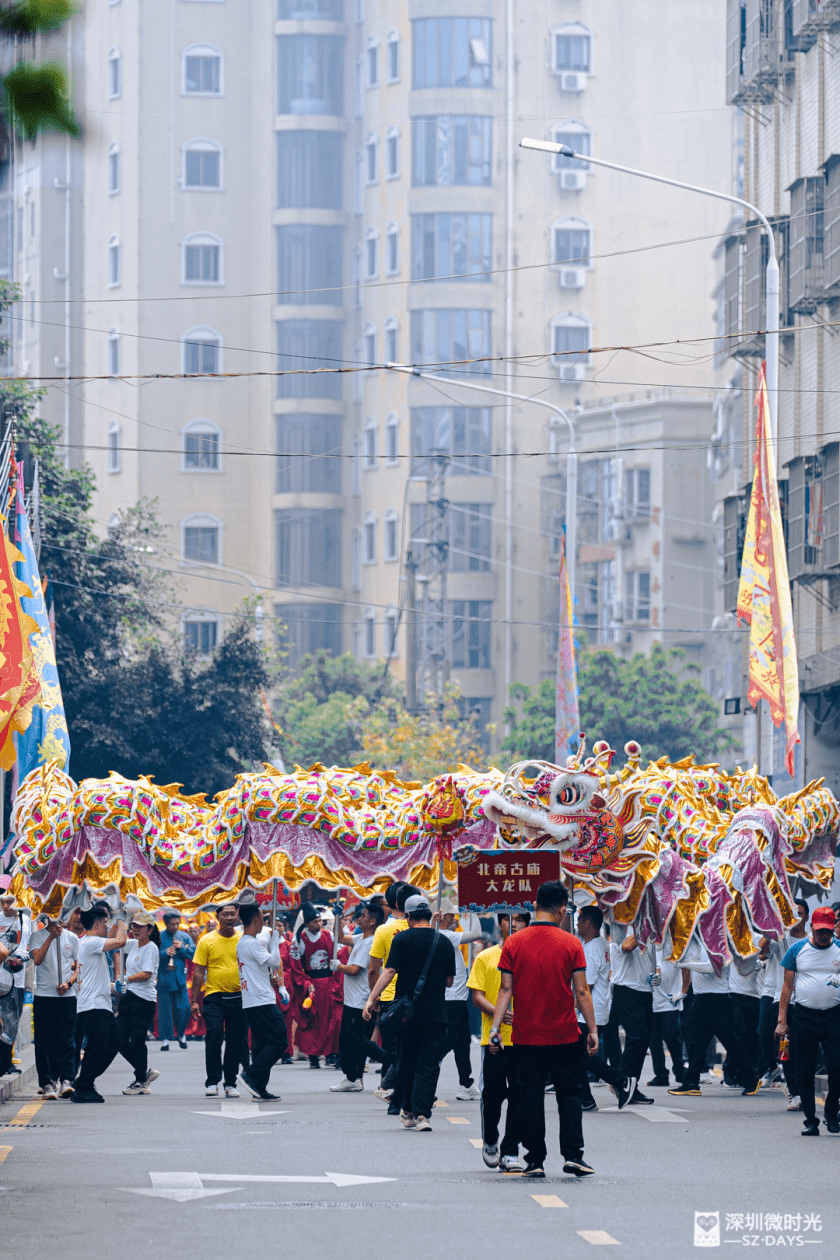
column 54, row 1029
column 98, row 1029
column 813, row 1029
column 421, row 1049
column 746, row 1011
column 610, row 1048
column 224, row 1021
column 498, row 1082
column 458, row 1040
column 632, row 1011
column 355, row 1045
column 534, row 1064
column 269, row 1041
column 15, row 995
column 134, row 1019
column 597, row 1065
column 666, row 1028
column 390, row 1046
column 712, row 1015
column 768, row 1017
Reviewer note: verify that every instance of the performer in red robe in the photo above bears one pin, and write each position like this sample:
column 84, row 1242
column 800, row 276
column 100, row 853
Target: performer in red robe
column 289, row 1010
column 310, row 965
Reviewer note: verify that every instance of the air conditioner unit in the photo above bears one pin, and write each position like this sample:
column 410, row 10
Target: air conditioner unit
column 572, row 181
column 570, row 371
column 572, row 277
column 572, row 81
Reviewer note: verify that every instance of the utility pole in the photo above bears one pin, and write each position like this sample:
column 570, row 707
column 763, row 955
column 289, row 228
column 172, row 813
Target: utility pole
column 410, row 634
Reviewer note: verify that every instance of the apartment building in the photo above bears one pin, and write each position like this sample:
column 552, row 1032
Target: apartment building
column 304, row 185
column 782, row 75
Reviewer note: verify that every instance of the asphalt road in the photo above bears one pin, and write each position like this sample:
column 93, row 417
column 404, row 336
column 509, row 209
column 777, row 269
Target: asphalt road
column 159, row 1175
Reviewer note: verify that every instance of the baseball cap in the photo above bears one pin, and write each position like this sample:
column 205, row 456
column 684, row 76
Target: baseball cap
column 448, row 907
column 416, row 903
column 823, row 918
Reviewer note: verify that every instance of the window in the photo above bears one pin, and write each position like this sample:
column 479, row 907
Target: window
column 370, row 444
column 572, row 48
column 391, row 622
column 114, row 74
column 446, row 339
column 373, row 63
column 451, row 246
column 308, row 547
column 200, row 635
column 392, row 330
column 113, row 447
column 452, row 52
column 113, row 169
column 201, row 447
column 469, row 538
column 309, row 454
column 311, row 10
column 202, row 352
column 309, row 265
column 113, row 262
column 202, row 259
column 392, row 249
column 571, row 242
column 637, row 596
column 392, row 448
column 201, row 536
column 576, row 136
column 370, row 345
column 371, row 252
column 306, row 344
column 452, row 149
column 392, row 58
column 371, row 159
column 310, row 74
column 358, row 181
column 310, row 169
column 202, row 165
column 471, row 627
column 309, row 628
column 637, row 493
column 369, row 538
column 369, row 632
column 463, row 432
column 392, row 152
column 202, row 70
column 571, row 340
column 113, row 353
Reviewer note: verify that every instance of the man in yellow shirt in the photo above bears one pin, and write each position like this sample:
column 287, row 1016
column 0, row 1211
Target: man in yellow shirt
column 498, row 1071
column 216, row 969
column 395, row 897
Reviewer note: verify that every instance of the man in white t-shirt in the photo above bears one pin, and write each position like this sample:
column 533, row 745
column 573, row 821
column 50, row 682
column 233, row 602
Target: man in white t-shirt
column 812, row 965
column 668, row 999
column 354, row 1044
column 256, row 962
column 457, row 1002
column 54, row 950
column 590, row 920
column 94, row 1014
column 634, row 977
column 15, row 930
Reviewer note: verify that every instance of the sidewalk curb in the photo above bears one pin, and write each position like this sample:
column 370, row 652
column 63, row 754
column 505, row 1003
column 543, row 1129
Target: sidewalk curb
column 17, row 1082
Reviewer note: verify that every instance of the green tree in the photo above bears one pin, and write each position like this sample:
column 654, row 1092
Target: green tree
column 419, row 746
column 656, row 700
column 37, row 97
column 312, row 708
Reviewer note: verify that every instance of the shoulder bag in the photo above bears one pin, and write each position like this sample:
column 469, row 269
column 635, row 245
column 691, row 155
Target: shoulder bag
column 402, row 1012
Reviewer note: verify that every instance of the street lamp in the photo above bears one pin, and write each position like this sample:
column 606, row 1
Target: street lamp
column 571, row 495
column 772, row 274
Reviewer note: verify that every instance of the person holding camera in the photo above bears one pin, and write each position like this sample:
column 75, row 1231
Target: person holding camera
column 423, row 963
column 55, row 952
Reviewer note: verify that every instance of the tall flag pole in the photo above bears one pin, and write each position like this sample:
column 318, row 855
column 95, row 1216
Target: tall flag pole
column 764, row 591
column 19, row 685
column 566, row 714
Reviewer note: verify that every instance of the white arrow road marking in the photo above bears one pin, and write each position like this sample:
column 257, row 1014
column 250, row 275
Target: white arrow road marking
column 182, row 1187
column 232, row 1110
column 656, row 1115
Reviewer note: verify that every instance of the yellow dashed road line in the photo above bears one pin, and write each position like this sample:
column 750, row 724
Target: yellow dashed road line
column 27, row 1111
column 457, row 1119
column 4, row 1151
column 476, row 1142
column 598, row 1238
column 548, row 1200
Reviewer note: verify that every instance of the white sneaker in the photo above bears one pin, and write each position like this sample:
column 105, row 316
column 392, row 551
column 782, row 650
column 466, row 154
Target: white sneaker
column 511, row 1164
column 66, row 1089
column 231, row 1091
column 211, row 1091
column 136, row 1087
column 151, row 1076
column 50, row 1090
column 407, row 1119
column 383, row 1094
column 794, row 1104
column 708, row 1078
column 469, row 1093
column 421, row 1125
column 347, row 1087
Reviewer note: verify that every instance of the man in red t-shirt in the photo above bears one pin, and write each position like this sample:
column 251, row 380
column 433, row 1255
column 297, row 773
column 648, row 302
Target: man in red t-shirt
column 540, row 967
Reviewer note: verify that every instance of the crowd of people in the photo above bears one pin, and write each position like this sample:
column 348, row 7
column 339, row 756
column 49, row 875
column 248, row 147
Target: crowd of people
column 390, row 984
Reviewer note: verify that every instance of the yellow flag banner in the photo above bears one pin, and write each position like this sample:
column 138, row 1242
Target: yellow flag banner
column 20, row 686
column 764, row 590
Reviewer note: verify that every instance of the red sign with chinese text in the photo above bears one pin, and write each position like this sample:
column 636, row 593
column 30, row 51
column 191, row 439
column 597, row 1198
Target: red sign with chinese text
column 498, row 881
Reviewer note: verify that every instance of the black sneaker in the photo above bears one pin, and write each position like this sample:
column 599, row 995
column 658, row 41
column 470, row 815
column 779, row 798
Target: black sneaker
column 640, row 1100
column 182, row 1042
column 534, row 1170
column 686, row 1090
column 750, row 1090
column 314, row 1061
column 255, row 1090
column 265, row 1096
column 393, row 1109
column 625, row 1092
column 87, row 1096
column 832, row 1124
column 659, row 1082
column 811, row 1128
column 286, row 1060
column 578, row 1167
column 590, row 1106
